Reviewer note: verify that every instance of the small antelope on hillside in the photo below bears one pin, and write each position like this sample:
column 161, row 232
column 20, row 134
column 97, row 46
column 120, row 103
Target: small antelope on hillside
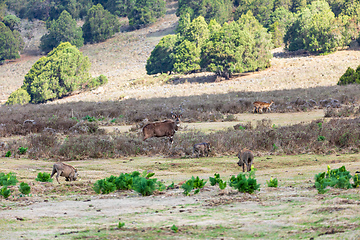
column 260, row 106
column 165, row 128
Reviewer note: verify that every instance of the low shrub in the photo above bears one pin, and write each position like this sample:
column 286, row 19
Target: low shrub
column 121, row 224
column 20, row 96
column 5, row 192
column 272, row 183
column 338, row 178
column 245, row 182
column 217, row 180
column 8, row 179
column 8, row 154
column 193, row 183
column 44, row 177
column 97, row 81
column 22, row 150
column 24, row 188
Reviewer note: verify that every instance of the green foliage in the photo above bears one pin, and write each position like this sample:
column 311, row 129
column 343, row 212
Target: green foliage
column 350, row 76
column 186, row 57
column 19, row 96
column 136, row 181
column 321, row 138
column 356, row 179
column 161, row 58
column 121, row 224
column 145, row 12
column 104, row 186
column 8, row 179
column 8, row 154
column 243, row 183
column 217, row 180
column 240, row 46
column 174, row 228
column 61, row 72
column 44, row 177
column 22, row 150
column 89, row 119
column 278, row 24
column 96, row 82
column 24, row 188
column 193, row 183
column 220, row 10
column 63, row 29
column 99, row 25
column 11, row 21
column 5, row 192
column 184, row 22
column 10, row 44
column 261, row 9
column 272, row 183
column 315, row 29
column 76, row 8
column 338, row 178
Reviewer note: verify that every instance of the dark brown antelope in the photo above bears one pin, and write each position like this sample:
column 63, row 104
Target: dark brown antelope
column 165, row 128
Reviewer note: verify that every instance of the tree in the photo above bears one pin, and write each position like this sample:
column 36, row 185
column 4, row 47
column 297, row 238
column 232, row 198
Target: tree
column 145, row 12
column 315, row 29
column 99, row 25
column 261, row 9
column 61, row 72
column 63, row 29
column 76, row 8
column 240, row 46
column 11, row 21
column 161, row 58
column 184, row 22
column 10, row 44
column 350, row 76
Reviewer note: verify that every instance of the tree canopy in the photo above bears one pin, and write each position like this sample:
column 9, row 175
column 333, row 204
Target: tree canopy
column 63, row 29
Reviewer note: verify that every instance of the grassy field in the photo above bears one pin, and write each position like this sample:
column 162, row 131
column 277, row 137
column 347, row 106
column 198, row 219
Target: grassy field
column 293, row 210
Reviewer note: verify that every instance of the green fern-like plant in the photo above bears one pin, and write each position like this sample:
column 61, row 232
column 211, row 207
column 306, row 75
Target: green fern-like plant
column 8, row 154
column 272, row 183
column 24, row 188
column 8, row 179
column 5, row 192
column 193, row 183
column 245, row 182
column 217, row 180
column 44, row 177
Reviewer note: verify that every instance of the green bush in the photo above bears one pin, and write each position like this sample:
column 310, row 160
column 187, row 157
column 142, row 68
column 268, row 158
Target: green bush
column 338, row 178
column 350, row 76
column 245, row 184
column 63, row 29
column 19, row 96
column 121, row 224
column 10, row 44
column 11, row 21
column 99, row 25
column 193, row 183
column 161, row 59
column 22, row 150
column 8, row 179
column 97, row 81
column 24, row 188
column 272, row 183
column 145, row 12
column 58, row 74
column 104, row 186
column 8, row 154
column 5, row 192
column 43, row 177
column 217, row 180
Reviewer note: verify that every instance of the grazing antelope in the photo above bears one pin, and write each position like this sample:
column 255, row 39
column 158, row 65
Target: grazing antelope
column 165, row 128
column 65, row 170
column 246, row 158
column 260, row 106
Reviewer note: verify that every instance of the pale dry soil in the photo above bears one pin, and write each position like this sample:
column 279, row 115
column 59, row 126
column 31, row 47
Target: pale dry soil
column 293, row 210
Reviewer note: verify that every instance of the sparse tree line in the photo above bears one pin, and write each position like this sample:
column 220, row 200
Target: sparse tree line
column 100, row 21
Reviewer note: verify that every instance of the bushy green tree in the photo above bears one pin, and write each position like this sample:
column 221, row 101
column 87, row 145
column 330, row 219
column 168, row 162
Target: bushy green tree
column 315, row 29
column 184, row 22
column 76, row 8
column 278, row 24
column 220, row 10
column 63, row 29
column 11, row 43
column 20, row 96
column 61, row 72
column 161, row 58
column 145, row 12
column 350, row 76
column 99, row 25
column 261, row 9
column 11, row 21
column 239, row 46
